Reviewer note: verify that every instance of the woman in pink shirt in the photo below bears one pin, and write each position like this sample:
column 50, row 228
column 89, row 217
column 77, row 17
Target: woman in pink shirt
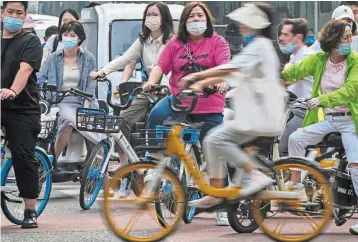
column 194, row 48
column 207, row 49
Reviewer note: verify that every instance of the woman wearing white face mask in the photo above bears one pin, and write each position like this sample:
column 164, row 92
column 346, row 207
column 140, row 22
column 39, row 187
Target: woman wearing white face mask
column 157, row 29
column 195, row 48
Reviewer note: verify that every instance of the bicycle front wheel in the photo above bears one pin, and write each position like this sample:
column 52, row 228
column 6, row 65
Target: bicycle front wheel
column 300, row 220
column 92, row 179
column 12, row 204
column 134, row 221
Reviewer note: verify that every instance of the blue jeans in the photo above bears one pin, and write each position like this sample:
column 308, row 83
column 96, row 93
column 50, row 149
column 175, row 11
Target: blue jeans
column 162, row 111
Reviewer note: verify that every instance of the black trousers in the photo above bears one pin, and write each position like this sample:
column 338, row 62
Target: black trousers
column 21, row 134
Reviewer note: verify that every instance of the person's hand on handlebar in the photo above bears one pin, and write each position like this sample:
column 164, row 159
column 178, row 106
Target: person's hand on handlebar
column 147, row 86
column 222, row 87
column 185, row 81
column 313, row 103
column 6, row 93
column 95, row 74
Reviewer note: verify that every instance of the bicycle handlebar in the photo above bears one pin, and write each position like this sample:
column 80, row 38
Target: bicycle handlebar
column 177, row 107
column 46, row 104
column 118, row 107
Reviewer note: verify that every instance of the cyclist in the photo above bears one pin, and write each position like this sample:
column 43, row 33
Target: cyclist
column 157, row 30
column 291, row 40
column 335, row 89
column 259, row 54
column 21, row 55
column 70, row 68
column 195, row 47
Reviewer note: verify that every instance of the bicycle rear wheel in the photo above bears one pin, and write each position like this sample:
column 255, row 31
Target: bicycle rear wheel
column 92, row 178
column 12, row 205
column 128, row 218
column 298, row 220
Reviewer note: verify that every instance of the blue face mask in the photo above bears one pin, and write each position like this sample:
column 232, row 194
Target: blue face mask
column 13, row 25
column 248, row 38
column 69, row 43
column 288, row 49
column 310, row 39
column 344, row 49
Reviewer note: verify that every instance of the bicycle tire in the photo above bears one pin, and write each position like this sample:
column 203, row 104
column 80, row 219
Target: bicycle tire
column 300, row 163
column 167, row 229
column 5, row 169
column 235, row 222
column 93, row 175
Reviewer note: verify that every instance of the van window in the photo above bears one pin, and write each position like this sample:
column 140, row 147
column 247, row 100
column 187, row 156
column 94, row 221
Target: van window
column 123, row 33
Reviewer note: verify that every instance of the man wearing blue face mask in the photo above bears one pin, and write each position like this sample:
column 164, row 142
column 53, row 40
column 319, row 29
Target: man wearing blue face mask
column 291, row 42
column 21, row 55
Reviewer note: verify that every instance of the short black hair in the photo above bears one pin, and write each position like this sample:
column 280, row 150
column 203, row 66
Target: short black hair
column 24, row 3
column 75, row 27
column 232, row 28
column 70, row 11
column 51, row 31
column 299, row 26
column 349, row 3
column 331, row 34
column 167, row 22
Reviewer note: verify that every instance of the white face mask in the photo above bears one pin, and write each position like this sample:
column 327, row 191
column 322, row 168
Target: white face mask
column 196, row 28
column 153, row 23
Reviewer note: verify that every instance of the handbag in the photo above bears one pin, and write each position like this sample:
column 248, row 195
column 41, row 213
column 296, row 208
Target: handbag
column 259, row 105
column 195, row 67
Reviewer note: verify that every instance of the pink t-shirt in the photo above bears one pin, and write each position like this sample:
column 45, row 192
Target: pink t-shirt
column 208, row 53
column 333, row 79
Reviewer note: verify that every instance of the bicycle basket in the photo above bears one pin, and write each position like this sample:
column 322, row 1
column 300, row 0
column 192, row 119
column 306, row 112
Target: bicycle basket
column 48, row 130
column 96, row 120
column 159, row 135
column 189, row 136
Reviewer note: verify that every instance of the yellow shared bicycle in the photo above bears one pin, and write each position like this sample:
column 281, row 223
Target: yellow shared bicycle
column 143, row 218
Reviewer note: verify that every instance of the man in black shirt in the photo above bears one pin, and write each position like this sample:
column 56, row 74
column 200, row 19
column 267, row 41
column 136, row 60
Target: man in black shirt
column 21, row 55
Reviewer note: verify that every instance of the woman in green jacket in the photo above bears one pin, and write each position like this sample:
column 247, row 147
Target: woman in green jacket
column 335, row 89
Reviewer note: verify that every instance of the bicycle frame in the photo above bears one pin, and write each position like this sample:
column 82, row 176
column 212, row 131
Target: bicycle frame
column 125, row 146
column 174, row 146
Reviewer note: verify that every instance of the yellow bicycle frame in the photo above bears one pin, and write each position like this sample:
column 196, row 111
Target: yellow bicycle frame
column 175, row 146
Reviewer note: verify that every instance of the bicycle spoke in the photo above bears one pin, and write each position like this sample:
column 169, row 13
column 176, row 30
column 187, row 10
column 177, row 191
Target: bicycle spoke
column 279, row 227
column 133, row 219
column 155, row 217
column 310, row 221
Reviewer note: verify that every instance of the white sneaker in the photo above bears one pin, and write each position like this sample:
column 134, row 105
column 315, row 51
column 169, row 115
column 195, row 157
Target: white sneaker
column 205, row 202
column 258, row 181
column 124, row 188
column 221, row 219
column 354, row 229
